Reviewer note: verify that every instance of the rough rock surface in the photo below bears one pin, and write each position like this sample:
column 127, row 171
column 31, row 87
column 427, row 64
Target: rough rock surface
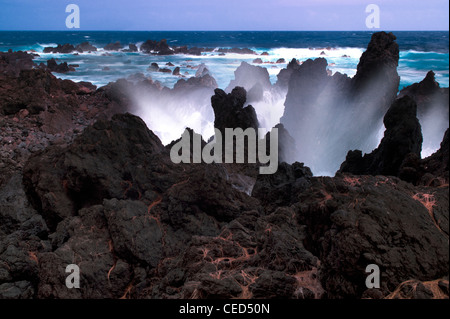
column 230, row 112
column 63, row 67
column 113, row 46
column 11, row 63
column 60, row 48
column 402, row 136
column 85, row 47
column 432, row 108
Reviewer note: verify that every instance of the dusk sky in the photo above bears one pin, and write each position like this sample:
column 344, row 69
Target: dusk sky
column 224, row 15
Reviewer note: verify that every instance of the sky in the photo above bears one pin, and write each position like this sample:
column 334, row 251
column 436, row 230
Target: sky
column 242, row 15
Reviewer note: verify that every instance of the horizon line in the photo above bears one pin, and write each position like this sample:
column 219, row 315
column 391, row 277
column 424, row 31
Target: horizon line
column 72, row 30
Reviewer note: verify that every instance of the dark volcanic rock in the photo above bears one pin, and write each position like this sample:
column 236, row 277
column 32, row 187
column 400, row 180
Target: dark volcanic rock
column 154, row 67
column 432, row 108
column 164, row 70
column 205, row 81
column 287, row 149
column 402, row 136
column 285, row 74
column 377, row 69
column 277, row 189
column 53, row 66
column 430, row 171
column 131, row 48
column 389, row 224
column 416, row 289
column 133, row 208
column 237, row 50
column 114, row 46
column 230, row 112
column 155, row 47
column 422, row 90
column 11, row 63
column 176, row 71
column 437, row 164
column 85, row 47
column 66, row 48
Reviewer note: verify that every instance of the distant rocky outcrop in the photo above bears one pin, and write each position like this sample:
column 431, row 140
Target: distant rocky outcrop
column 85, row 47
column 64, row 48
column 155, row 47
column 131, row 48
column 113, row 46
column 63, row 67
column 154, row 67
column 176, row 71
column 236, row 50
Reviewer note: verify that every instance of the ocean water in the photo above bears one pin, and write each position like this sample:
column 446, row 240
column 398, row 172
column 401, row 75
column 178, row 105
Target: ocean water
column 419, row 53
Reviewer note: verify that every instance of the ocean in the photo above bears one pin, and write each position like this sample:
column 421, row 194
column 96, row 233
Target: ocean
column 420, row 51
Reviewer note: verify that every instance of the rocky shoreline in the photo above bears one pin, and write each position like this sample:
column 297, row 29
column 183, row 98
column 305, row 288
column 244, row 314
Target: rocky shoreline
column 83, row 181
column 149, row 47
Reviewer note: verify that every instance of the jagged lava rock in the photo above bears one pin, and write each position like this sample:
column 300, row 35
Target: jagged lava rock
column 113, row 46
column 85, row 47
column 65, row 48
column 402, row 136
column 230, row 112
column 53, row 66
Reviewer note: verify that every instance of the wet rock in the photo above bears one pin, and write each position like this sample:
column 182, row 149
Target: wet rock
column 237, row 50
column 85, row 47
column 53, row 66
column 230, row 112
column 402, row 136
column 155, row 47
column 176, row 71
column 65, row 48
column 116, row 46
column 154, row 67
